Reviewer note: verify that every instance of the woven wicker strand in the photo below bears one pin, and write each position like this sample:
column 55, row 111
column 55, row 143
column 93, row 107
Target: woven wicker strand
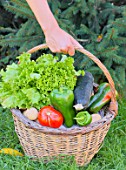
column 82, row 142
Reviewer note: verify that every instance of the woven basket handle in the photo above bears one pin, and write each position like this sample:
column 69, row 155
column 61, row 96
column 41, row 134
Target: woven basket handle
column 113, row 104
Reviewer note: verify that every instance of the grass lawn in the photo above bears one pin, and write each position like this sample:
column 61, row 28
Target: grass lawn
column 112, row 155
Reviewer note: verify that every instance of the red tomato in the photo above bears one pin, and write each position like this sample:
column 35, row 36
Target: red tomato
column 48, row 116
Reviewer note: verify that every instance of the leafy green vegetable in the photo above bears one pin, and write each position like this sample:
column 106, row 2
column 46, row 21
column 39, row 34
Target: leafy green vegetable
column 29, row 83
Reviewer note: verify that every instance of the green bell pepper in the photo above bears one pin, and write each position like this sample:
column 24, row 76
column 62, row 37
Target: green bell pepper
column 62, row 100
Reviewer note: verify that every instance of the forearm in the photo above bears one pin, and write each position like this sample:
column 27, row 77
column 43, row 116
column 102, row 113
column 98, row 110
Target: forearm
column 43, row 14
column 57, row 39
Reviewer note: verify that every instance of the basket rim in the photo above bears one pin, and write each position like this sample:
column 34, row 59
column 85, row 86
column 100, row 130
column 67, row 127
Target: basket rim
column 74, row 130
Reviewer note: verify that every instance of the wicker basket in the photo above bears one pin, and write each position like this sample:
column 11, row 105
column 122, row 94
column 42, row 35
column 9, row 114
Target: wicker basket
column 81, row 142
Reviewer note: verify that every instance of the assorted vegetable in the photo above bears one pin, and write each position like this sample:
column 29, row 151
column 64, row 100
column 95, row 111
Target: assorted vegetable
column 50, row 117
column 29, row 83
column 101, row 87
column 31, row 113
column 62, row 100
column 95, row 117
column 83, row 91
column 102, row 100
column 52, row 92
column 83, row 118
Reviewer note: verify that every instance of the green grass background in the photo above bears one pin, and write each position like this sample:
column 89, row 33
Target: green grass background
column 112, row 155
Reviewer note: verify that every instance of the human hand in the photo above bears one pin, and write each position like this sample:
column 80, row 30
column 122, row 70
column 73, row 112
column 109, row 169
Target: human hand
column 57, row 39
column 60, row 41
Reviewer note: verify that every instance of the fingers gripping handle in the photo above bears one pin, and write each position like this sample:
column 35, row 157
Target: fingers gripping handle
column 113, row 104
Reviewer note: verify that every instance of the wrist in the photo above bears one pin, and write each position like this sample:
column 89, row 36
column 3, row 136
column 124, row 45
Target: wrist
column 50, row 27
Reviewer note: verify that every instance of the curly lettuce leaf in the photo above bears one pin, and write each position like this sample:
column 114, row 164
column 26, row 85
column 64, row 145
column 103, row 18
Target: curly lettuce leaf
column 29, row 83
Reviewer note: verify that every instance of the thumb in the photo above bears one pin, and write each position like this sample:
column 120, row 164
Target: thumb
column 71, row 50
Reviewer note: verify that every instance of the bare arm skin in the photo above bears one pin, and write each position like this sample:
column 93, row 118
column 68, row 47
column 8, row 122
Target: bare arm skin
column 57, row 39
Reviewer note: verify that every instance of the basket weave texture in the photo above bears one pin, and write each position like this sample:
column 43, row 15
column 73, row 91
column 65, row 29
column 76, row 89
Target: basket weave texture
column 81, row 142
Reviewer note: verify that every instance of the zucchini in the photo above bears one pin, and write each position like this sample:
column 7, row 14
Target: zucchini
column 83, row 91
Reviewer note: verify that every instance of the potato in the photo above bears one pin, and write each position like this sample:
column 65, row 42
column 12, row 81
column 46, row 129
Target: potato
column 95, row 117
column 31, row 113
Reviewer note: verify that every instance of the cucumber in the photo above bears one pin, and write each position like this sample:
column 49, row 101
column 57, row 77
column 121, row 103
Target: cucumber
column 102, row 100
column 98, row 93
